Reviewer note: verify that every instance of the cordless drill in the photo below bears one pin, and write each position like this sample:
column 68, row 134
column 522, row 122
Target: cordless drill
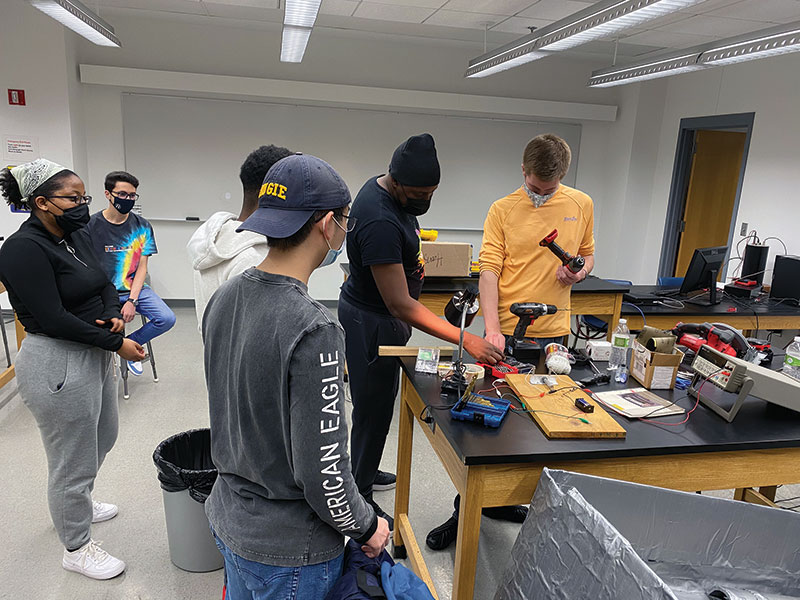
column 573, row 263
column 520, row 348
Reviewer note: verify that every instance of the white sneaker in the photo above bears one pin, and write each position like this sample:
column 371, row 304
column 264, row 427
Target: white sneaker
column 135, row 367
column 92, row 561
column 102, row 511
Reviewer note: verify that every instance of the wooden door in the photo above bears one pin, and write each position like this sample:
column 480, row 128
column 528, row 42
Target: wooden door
column 714, row 178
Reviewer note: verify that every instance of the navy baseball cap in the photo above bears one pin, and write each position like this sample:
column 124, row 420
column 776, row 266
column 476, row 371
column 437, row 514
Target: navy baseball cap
column 294, row 189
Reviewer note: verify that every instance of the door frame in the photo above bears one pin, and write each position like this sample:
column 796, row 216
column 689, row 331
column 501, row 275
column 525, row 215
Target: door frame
column 681, row 172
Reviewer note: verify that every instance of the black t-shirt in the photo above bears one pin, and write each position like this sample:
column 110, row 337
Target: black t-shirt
column 385, row 234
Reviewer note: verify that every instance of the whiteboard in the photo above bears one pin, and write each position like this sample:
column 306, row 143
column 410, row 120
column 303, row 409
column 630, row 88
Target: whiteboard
column 187, row 152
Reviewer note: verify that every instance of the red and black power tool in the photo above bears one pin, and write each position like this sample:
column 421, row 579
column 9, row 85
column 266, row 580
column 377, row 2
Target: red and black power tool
column 573, row 263
column 719, row 336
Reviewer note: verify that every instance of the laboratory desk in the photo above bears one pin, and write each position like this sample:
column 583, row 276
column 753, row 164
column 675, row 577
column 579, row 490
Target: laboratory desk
column 593, row 296
column 501, row 467
column 741, row 314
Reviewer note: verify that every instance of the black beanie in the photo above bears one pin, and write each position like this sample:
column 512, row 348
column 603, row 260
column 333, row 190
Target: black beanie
column 414, row 163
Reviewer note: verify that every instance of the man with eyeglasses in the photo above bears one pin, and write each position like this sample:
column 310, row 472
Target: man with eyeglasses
column 124, row 241
column 379, row 303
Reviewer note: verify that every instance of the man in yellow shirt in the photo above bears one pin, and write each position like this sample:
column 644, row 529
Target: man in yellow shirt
column 514, row 268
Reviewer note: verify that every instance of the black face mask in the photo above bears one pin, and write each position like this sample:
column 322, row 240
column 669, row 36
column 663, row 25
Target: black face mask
column 123, row 205
column 417, row 207
column 414, row 206
column 73, row 218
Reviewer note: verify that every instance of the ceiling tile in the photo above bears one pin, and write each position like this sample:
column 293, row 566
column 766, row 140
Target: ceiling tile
column 465, row 20
column 520, row 25
column 768, row 11
column 190, row 7
column 343, row 8
column 715, row 26
column 553, row 9
column 607, row 49
column 388, row 12
column 254, row 3
column 247, row 13
column 491, row 7
column 668, row 39
column 422, row 3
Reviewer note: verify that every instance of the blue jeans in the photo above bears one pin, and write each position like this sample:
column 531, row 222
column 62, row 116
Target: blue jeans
column 160, row 317
column 248, row 580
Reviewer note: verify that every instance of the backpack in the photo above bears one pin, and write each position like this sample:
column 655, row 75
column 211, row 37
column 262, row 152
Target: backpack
column 365, row 578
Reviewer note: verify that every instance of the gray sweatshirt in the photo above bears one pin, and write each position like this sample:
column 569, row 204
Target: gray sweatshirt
column 274, row 362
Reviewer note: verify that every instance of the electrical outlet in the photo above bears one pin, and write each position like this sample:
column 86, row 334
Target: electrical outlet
column 743, row 231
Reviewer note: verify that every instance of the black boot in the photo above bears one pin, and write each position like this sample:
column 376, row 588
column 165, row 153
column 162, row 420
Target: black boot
column 446, row 533
column 515, row 514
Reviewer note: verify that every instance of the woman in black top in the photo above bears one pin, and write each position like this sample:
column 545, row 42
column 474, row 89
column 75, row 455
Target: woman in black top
column 65, row 367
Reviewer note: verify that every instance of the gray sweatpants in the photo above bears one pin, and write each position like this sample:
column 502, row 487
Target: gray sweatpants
column 70, row 389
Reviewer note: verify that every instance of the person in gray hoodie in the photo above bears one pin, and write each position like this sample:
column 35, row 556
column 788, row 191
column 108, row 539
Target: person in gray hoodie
column 217, row 252
column 274, row 361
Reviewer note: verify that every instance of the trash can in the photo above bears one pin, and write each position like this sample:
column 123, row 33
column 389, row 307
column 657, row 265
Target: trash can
column 187, row 475
column 591, row 537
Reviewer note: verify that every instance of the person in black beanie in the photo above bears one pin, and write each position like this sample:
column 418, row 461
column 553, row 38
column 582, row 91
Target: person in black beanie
column 378, row 303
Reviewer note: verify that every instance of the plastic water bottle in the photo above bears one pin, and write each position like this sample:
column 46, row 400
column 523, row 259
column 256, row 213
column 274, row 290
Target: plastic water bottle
column 791, row 362
column 620, row 341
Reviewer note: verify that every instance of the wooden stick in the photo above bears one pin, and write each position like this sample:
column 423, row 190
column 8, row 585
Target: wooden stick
column 402, row 351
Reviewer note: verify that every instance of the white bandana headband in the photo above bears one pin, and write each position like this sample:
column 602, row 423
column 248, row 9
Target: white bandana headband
column 33, row 174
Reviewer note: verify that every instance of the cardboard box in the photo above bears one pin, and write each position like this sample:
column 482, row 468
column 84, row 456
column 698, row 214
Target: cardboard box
column 598, row 350
column 447, row 259
column 654, row 370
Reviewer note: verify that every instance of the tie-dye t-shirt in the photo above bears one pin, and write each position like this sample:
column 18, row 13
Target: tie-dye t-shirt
column 119, row 247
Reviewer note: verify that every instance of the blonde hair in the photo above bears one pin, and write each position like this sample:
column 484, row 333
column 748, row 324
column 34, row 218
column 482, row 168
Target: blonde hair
column 547, row 156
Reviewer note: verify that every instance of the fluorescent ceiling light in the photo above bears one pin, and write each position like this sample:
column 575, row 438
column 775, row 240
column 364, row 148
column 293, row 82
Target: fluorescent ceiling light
column 767, row 42
column 293, row 43
column 780, row 39
column 301, row 13
column 604, row 19
column 80, row 19
column 298, row 21
column 598, row 20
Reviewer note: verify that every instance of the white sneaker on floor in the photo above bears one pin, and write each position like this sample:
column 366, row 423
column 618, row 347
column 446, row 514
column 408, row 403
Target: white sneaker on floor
column 135, row 367
column 102, row 511
column 92, row 561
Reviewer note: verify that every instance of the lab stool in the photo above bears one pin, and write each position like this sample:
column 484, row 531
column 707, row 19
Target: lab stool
column 149, row 357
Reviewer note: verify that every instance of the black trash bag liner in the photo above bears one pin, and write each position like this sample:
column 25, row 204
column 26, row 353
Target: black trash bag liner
column 184, row 463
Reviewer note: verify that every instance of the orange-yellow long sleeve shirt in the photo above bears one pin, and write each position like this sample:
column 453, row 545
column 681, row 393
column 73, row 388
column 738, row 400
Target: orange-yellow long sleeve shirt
column 527, row 271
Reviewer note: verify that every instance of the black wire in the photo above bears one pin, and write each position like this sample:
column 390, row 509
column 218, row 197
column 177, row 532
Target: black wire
column 663, row 407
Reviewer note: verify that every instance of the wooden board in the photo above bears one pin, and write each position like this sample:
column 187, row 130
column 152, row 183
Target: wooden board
column 600, row 425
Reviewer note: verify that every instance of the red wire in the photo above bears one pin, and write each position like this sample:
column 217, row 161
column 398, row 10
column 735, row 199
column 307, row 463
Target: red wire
column 694, row 408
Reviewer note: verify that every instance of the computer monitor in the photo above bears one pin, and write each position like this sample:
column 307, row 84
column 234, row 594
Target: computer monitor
column 702, row 273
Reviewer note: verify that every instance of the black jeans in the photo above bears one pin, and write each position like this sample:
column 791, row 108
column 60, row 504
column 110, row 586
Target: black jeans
column 374, row 382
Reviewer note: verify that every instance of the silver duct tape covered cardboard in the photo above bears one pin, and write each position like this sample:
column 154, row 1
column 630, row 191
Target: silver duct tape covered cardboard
column 590, row 537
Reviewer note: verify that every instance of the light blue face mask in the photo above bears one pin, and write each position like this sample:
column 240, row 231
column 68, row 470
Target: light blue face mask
column 332, row 254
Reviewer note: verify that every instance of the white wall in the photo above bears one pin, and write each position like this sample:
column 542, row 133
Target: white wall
column 626, row 166
column 769, row 200
column 34, row 55
column 333, row 57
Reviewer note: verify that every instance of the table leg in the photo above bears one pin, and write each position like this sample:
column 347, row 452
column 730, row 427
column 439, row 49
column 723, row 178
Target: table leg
column 405, row 441
column 20, row 331
column 612, row 324
column 469, row 529
column 769, row 491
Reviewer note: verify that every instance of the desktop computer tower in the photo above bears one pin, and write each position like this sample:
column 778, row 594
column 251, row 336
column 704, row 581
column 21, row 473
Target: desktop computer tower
column 786, row 277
